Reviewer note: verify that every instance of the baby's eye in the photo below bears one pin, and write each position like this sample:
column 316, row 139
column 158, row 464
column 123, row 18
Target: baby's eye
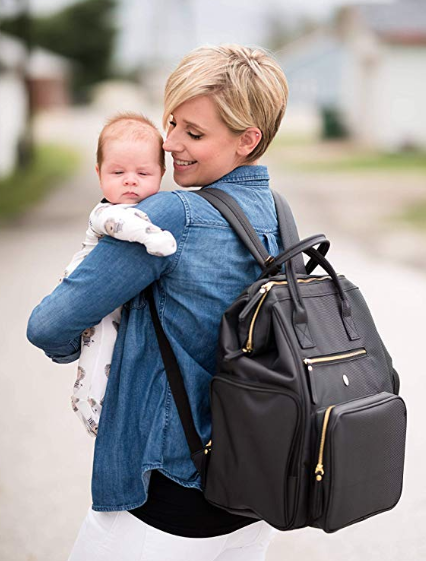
column 118, row 172
column 142, row 173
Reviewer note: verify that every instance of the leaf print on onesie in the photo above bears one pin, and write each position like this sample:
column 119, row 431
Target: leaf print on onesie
column 107, row 370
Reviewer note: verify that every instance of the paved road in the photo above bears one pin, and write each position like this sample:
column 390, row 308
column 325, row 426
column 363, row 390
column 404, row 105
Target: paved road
column 45, row 458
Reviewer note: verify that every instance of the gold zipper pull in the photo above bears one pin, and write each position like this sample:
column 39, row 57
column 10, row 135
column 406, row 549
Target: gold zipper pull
column 208, row 447
column 255, row 299
column 312, row 386
column 319, row 472
column 308, row 363
column 266, row 287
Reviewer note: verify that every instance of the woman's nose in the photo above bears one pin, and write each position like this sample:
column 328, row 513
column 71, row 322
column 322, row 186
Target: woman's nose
column 172, row 144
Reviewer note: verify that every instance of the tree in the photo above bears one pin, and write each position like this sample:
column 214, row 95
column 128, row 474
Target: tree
column 83, row 32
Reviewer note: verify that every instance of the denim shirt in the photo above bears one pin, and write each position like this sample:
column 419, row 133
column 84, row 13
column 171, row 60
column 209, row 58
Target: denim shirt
column 140, row 429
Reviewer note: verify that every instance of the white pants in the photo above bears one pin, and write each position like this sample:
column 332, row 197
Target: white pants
column 120, row 536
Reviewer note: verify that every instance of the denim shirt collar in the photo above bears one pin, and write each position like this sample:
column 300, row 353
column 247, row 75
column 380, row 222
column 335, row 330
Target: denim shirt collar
column 251, row 176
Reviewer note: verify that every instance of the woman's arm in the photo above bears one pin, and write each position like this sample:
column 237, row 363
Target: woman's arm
column 113, row 273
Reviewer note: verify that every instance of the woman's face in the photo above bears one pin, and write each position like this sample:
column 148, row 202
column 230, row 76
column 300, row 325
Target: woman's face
column 202, row 146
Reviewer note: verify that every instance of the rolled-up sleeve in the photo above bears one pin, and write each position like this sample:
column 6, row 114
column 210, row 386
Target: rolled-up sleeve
column 113, row 273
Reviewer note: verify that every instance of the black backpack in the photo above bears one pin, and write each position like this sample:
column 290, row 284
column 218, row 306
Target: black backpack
column 307, row 425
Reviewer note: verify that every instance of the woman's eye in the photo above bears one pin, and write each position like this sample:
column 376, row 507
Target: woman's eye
column 195, row 136
column 172, row 123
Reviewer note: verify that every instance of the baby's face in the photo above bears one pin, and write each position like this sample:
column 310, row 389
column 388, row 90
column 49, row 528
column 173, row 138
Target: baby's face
column 130, row 171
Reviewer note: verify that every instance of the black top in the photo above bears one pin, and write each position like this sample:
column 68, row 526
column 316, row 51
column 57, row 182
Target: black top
column 185, row 512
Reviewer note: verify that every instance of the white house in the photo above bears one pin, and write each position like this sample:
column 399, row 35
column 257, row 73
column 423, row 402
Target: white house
column 371, row 67
column 13, row 102
column 47, row 76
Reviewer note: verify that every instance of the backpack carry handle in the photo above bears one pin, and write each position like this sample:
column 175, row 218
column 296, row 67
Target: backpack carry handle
column 296, row 250
column 300, row 316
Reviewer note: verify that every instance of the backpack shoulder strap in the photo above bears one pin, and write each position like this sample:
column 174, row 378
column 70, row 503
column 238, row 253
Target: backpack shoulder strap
column 233, row 213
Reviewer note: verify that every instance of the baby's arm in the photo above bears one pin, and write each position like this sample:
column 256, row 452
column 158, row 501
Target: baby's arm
column 128, row 223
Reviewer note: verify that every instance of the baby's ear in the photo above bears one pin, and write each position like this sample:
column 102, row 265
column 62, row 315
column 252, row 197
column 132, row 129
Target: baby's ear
column 98, row 171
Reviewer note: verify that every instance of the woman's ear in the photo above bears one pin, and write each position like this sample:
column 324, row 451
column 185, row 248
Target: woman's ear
column 248, row 141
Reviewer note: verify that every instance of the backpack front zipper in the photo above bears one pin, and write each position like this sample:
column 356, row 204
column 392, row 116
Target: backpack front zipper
column 263, row 292
column 329, row 360
column 332, row 358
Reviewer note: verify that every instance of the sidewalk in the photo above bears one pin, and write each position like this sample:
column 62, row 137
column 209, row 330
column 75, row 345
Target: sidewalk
column 45, row 465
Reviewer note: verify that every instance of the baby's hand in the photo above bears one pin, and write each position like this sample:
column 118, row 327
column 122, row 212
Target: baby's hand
column 157, row 241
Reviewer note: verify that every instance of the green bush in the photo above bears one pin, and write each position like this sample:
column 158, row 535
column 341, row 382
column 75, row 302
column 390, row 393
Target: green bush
column 332, row 123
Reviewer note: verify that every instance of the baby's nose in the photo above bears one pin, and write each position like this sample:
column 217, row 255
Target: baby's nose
column 130, row 180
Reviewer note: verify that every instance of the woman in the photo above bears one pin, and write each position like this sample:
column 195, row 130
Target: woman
column 223, row 106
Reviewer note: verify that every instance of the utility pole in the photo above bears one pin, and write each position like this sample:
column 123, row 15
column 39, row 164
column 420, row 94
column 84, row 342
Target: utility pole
column 19, row 10
column 27, row 146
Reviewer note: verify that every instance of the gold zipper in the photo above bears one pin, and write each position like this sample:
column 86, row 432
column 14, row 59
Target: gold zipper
column 310, row 361
column 264, row 289
column 208, row 447
column 319, row 470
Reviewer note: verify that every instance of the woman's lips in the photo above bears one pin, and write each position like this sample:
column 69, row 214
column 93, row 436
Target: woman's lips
column 183, row 165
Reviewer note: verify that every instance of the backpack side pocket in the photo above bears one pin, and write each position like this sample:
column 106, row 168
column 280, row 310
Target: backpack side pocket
column 254, row 436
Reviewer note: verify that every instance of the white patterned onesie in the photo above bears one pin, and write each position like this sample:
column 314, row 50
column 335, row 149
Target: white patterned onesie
column 124, row 222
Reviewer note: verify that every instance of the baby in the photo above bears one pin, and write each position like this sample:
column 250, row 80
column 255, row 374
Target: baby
column 130, row 165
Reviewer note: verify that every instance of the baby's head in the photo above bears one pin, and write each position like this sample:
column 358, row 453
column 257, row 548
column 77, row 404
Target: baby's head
column 130, row 159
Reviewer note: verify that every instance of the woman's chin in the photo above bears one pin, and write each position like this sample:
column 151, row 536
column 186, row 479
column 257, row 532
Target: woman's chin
column 183, row 181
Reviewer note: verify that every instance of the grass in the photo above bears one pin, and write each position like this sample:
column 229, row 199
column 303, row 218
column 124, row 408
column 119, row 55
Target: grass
column 51, row 165
column 351, row 160
column 415, row 215
column 403, row 161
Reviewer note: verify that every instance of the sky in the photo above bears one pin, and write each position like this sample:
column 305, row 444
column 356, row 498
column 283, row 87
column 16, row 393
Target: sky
column 149, row 28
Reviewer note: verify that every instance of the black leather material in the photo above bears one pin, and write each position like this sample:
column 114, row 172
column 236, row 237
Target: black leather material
column 288, row 230
column 365, row 461
column 348, row 369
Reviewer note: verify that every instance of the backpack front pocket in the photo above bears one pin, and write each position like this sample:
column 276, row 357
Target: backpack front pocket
column 254, row 442
column 359, row 461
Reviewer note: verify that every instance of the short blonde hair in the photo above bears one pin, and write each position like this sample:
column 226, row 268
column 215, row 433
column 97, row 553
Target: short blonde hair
column 131, row 126
column 247, row 84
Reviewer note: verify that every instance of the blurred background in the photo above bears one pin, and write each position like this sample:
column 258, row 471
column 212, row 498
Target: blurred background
column 350, row 157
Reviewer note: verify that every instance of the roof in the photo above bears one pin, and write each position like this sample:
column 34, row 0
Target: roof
column 41, row 64
column 403, row 21
column 12, row 52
